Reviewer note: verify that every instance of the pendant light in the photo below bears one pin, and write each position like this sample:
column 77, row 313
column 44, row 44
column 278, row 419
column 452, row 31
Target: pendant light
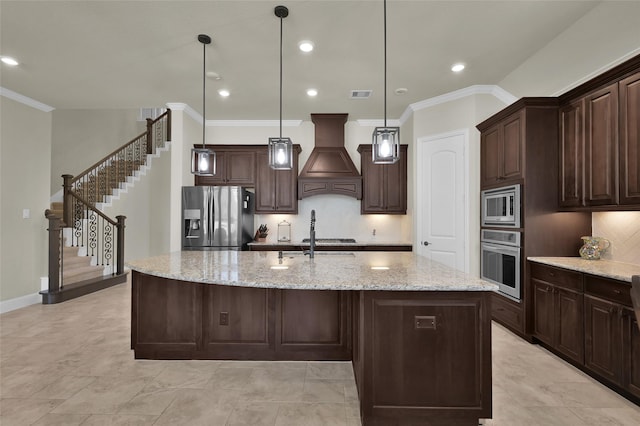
column 203, row 160
column 386, row 140
column 281, row 149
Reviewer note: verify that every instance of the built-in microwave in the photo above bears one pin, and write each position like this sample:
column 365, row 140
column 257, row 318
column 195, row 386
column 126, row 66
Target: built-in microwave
column 501, row 207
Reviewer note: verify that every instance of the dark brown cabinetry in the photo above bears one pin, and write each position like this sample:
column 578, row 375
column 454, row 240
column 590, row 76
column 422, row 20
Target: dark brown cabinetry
column 608, row 340
column 558, row 304
column 600, row 142
column 384, row 185
column 629, row 143
column 588, row 320
column 276, row 190
column 234, row 166
column 502, row 150
column 601, row 146
column 519, row 145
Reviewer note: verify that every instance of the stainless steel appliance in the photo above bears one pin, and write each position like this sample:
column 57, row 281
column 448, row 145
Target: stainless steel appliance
column 500, row 260
column 501, row 207
column 216, row 217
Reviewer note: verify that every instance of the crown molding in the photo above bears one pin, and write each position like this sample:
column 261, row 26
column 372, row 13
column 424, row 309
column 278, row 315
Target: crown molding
column 10, row 94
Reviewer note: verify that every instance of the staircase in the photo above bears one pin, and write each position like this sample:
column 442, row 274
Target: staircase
column 86, row 247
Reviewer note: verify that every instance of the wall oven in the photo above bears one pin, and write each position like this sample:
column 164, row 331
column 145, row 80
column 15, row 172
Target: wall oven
column 500, row 261
column 501, row 207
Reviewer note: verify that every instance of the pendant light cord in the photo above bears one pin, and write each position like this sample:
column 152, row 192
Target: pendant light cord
column 281, row 77
column 204, row 83
column 385, row 63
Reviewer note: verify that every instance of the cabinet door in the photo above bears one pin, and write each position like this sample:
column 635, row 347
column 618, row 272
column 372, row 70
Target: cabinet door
column 512, row 164
column 265, row 185
column 630, row 140
column 217, row 179
column 395, row 184
column 286, row 188
column 571, row 154
column 601, row 147
column 569, row 332
column 631, row 345
column 490, row 156
column 603, row 349
column 543, row 324
column 240, row 168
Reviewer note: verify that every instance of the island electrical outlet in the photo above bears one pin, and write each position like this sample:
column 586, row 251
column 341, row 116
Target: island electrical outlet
column 224, row 318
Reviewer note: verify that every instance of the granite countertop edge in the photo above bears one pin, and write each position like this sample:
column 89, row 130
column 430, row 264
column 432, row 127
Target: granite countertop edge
column 605, row 268
column 358, row 243
column 407, row 272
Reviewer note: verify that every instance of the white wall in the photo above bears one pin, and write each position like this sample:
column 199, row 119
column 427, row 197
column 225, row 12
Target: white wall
column 604, row 37
column 80, row 138
column 25, row 152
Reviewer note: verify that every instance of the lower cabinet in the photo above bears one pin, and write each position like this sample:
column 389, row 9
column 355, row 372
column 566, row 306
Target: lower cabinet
column 558, row 309
column 588, row 319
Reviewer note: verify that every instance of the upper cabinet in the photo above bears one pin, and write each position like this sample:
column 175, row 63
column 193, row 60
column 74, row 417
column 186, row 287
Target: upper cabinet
column 501, row 151
column 384, row 186
column 629, row 139
column 600, row 143
column 276, row 190
column 235, row 165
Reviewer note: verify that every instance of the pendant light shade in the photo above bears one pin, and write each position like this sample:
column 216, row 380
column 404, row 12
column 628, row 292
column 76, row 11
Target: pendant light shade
column 386, row 140
column 203, row 160
column 281, row 149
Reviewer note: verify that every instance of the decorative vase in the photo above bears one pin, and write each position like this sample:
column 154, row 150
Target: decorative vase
column 593, row 247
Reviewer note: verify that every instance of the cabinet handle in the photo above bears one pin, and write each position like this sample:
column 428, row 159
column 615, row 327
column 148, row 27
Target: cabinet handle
column 546, row 290
column 552, row 274
column 616, row 291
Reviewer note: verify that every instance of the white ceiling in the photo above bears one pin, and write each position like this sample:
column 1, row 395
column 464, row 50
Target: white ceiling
column 130, row 54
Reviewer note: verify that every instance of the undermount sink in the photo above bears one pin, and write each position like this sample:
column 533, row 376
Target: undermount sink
column 332, row 240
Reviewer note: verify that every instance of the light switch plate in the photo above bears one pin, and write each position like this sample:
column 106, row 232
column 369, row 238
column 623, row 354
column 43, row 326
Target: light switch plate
column 26, row 213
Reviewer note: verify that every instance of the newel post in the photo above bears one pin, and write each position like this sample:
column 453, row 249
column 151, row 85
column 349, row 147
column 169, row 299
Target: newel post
column 150, row 144
column 54, row 251
column 120, row 256
column 67, row 200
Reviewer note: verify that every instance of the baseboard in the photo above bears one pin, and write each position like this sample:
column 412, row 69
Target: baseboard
column 19, row 302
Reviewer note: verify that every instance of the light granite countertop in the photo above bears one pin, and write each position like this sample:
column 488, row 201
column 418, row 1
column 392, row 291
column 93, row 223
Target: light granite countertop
column 320, row 244
column 327, row 271
column 604, row 268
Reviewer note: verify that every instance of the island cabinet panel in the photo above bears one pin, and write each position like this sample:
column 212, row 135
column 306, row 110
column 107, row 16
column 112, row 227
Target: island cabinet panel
column 165, row 315
column 402, row 379
column 312, row 323
column 237, row 322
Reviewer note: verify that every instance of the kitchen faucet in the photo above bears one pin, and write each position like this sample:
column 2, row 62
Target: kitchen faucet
column 312, row 236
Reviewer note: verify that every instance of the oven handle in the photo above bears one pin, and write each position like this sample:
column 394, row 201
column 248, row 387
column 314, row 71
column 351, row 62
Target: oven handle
column 500, row 249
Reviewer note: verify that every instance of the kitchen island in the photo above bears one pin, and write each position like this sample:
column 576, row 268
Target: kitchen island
column 417, row 332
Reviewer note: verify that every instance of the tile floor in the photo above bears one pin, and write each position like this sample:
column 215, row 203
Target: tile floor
column 70, row 364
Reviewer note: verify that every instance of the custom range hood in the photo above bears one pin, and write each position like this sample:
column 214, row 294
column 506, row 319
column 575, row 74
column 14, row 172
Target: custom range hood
column 329, row 169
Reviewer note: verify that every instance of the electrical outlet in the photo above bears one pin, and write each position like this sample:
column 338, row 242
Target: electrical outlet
column 224, row 318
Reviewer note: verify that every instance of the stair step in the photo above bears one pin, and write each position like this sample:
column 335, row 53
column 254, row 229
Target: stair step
column 80, row 274
column 75, row 261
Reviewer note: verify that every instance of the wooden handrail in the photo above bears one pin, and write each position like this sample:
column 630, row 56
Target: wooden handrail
column 148, row 134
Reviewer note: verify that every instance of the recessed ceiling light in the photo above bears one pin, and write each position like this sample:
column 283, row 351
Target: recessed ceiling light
column 306, row 46
column 9, row 60
column 312, row 92
column 224, row 93
column 279, row 267
column 380, row 268
column 457, row 67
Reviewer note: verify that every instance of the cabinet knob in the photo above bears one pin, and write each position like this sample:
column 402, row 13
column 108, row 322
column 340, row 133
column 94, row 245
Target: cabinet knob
column 616, row 291
column 425, row 243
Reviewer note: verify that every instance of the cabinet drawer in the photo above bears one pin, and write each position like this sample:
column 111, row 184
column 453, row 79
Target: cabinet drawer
column 557, row 276
column 613, row 290
column 506, row 312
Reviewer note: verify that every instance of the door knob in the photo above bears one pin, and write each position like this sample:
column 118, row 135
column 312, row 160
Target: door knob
column 426, row 243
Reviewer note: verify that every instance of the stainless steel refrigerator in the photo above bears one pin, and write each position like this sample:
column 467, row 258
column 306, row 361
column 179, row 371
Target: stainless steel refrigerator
column 216, row 217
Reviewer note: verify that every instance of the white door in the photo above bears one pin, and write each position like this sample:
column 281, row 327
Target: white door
column 442, row 205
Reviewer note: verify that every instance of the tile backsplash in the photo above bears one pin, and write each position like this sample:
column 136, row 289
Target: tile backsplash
column 623, row 230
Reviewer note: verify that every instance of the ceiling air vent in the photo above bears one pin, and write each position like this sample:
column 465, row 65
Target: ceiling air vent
column 360, row 94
